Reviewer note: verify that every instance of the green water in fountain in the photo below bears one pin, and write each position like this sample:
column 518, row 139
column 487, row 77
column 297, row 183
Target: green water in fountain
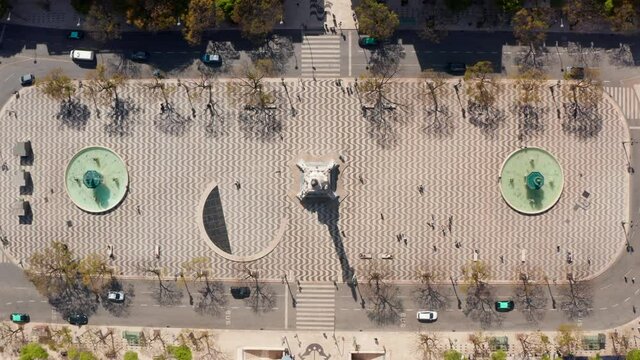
column 96, row 179
column 531, row 180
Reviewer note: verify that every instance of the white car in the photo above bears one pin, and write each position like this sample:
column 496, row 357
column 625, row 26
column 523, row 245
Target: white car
column 427, row 316
column 116, row 296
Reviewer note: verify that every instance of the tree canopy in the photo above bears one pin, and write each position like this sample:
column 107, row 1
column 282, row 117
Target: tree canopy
column 33, row 351
column 376, row 19
column 452, row 355
column 530, row 26
column 181, row 352
column 201, row 14
column 633, row 354
column 57, row 85
column 257, row 17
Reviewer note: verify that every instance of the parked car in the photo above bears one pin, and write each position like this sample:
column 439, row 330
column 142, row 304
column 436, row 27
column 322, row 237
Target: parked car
column 19, row 318
column 575, row 72
column 75, row 35
column 456, row 68
column 368, row 41
column 504, row 305
column 78, row 319
column 115, row 296
column 211, row 59
column 27, row 79
column 140, row 56
column 240, row 292
column 427, row 315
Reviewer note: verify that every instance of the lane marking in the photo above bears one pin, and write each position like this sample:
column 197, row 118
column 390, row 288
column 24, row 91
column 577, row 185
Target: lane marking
column 604, row 287
column 603, row 308
column 636, row 292
column 627, row 299
column 9, row 77
column 349, row 44
column 614, row 305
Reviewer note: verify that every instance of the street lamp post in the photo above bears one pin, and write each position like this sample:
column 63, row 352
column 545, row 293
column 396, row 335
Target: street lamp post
column 78, row 24
column 9, row 16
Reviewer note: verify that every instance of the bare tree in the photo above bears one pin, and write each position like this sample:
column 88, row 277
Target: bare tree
column 577, row 298
column 620, row 342
column 169, row 120
column 211, row 299
column 259, row 117
column 262, row 297
column 215, row 126
column 480, row 345
column 567, row 340
column 165, row 292
column 12, row 337
column 582, row 99
column 59, row 86
column 428, row 346
column 210, row 348
column 482, row 89
column 529, row 296
column 384, row 297
column 480, row 298
column 586, row 56
column 380, row 111
column 435, row 88
column 277, row 50
column 529, row 85
column 428, row 294
column 533, row 345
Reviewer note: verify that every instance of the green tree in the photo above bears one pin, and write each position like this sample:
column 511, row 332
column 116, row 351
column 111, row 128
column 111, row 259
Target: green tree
column 95, row 273
column 154, row 15
column 509, row 6
column 622, row 16
column 52, row 268
column 4, row 7
column 201, row 14
column 457, row 5
column 633, row 355
column 182, row 352
column 226, row 6
column 499, row 355
column 33, row 351
column 376, row 19
column 102, row 23
column 257, row 17
column 482, row 88
column 57, row 85
column 567, row 339
column 530, row 26
column 452, row 355
column 131, row 355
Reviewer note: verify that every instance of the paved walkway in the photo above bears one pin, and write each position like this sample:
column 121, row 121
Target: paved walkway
column 459, row 170
column 307, row 345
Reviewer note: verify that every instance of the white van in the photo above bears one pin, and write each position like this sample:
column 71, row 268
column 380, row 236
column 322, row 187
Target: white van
column 82, row 55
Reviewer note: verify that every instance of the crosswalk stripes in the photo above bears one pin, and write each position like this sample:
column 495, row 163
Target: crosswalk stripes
column 315, row 307
column 320, row 56
column 627, row 100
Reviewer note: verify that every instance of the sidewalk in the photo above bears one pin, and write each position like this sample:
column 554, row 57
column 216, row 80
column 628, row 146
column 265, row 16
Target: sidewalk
column 265, row 344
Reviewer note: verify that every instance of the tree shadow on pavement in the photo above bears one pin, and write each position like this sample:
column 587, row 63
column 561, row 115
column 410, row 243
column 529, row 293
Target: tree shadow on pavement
column 118, row 309
column 73, row 114
column 73, row 298
column 121, row 117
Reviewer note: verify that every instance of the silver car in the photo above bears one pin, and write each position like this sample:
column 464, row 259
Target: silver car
column 116, row 296
column 427, row 315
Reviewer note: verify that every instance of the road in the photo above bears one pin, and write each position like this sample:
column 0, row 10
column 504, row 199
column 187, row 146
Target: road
column 37, row 51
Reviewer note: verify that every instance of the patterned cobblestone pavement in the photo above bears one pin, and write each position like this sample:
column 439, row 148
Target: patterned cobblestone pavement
column 172, row 162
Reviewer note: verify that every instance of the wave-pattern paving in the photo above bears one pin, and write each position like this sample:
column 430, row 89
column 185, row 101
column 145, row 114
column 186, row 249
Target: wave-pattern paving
column 169, row 174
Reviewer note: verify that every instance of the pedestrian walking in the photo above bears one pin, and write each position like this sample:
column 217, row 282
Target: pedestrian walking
column 558, row 248
column 625, row 279
column 381, row 216
column 138, row 209
column 633, row 280
column 435, row 248
column 502, row 259
column 450, row 222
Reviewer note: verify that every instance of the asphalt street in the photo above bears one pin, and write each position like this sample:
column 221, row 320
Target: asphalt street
column 37, row 51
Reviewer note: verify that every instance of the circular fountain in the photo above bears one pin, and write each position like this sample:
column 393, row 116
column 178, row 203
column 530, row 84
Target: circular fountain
column 96, row 179
column 531, row 180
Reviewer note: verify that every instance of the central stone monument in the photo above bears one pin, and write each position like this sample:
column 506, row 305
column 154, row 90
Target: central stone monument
column 317, row 179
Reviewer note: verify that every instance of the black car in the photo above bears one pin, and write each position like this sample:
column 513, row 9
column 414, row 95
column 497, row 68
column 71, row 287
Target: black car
column 240, row 292
column 27, row 79
column 140, row 56
column 457, row 68
column 78, row 319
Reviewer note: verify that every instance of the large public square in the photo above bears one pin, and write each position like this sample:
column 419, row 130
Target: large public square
column 172, row 166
